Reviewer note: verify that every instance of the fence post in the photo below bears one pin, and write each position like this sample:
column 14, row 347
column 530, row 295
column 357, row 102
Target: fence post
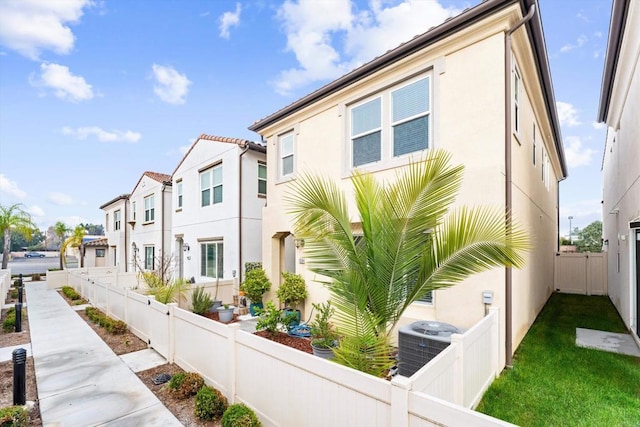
column 233, row 365
column 106, row 298
column 400, row 387
column 495, row 340
column 172, row 332
column 126, row 305
column 458, row 369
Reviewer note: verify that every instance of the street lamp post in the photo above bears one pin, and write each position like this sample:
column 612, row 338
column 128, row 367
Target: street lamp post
column 570, row 218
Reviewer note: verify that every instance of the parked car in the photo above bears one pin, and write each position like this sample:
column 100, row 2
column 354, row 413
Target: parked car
column 33, row 255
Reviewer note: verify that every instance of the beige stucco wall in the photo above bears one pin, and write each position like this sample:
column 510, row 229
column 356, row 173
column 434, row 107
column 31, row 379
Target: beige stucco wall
column 621, row 173
column 467, row 87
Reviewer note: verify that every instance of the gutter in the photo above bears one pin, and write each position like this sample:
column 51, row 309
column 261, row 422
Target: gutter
column 240, row 212
column 126, row 241
column 509, row 180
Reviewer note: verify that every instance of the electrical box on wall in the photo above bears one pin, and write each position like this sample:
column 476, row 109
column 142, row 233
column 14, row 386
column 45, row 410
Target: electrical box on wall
column 487, row 297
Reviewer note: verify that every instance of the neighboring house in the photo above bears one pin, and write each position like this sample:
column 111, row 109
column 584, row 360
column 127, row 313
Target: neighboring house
column 148, row 220
column 219, row 192
column 115, row 212
column 620, row 110
column 95, row 252
column 452, row 87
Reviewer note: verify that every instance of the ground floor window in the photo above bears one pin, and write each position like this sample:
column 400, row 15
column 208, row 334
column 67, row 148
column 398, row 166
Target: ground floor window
column 149, row 257
column 100, row 253
column 212, row 259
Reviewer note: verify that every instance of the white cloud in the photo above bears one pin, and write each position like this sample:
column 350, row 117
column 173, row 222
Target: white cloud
column 579, row 43
column 65, row 84
column 11, row 187
column 36, row 211
column 171, row 86
column 598, row 34
column 598, row 126
column 228, row 20
column 584, row 18
column 576, row 154
column 567, row 114
column 30, row 27
column 331, row 38
column 102, row 135
column 60, row 199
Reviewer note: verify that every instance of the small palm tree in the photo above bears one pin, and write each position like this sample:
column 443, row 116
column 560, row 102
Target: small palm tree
column 74, row 241
column 409, row 242
column 14, row 219
column 60, row 229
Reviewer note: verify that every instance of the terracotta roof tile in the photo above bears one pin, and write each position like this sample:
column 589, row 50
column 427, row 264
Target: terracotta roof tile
column 160, row 177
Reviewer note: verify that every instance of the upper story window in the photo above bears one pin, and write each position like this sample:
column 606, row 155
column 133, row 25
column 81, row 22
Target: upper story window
column 133, row 211
column 534, row 144
column 286, row 154
column 211, row 185
column 179, row 194
column 394, row 123
column 545, row 168
column 517, row 88
column 262, row 179
column 106, row 221
column 149, row 208
column 116, row 220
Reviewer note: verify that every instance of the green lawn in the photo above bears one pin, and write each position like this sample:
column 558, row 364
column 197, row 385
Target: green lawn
column 555, row 383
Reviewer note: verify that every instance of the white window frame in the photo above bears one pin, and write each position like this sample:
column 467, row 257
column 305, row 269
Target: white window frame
column 208, row 183
column 117, row 220
column 284, row 154
column 149, row 208
column 106, row 221
column 517, row 98
column 264, row 180
column 179, row 194
column 133, row 211
column 149, row 257
column 219, row 258
column 387, row 124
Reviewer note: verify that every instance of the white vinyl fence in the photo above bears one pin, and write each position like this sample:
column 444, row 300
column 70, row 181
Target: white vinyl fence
column 287, row 387
column 581, row 273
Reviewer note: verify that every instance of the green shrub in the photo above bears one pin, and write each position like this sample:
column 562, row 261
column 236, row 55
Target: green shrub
column 9, row 322
column 71, row 293
column 210, row 403
column 16, row 283
column 115, row 327
column 255, row 284
column 238, row 415
column 186, row 384
column 248, row 266
column 293, row 290
column 269, row 319
column 200, row 301
column 35, row 277
column 14, row 293
column 15, row 416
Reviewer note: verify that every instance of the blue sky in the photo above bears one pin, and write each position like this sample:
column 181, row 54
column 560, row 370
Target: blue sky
column 93, row 93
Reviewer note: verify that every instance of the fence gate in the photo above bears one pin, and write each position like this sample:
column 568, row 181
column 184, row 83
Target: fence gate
column 584, row 273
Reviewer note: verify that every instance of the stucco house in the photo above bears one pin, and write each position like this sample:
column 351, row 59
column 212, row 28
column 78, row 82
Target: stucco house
column 115, row 214
column 478, row 86
column 620, row 110
column 219, row 191
column 148, row 220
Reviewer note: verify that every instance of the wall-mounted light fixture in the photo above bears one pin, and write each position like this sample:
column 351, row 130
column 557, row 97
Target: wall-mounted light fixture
column 186, row 247
column 299, row 243
column 135, row 248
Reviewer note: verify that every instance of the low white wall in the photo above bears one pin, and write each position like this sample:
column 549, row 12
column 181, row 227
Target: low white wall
column 5, row 282
column 286, row 387
column 57, row 279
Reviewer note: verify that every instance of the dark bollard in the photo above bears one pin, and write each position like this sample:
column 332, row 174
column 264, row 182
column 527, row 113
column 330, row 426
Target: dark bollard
column 19, row 376
column 18, row 317
column 20, row 280
column 20, row 288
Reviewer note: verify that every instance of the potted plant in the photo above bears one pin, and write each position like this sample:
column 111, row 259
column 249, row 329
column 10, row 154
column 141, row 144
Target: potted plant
column 255, row 284
column 215, row 302
column 291, row 292
column 225, row 313
column 323, row 336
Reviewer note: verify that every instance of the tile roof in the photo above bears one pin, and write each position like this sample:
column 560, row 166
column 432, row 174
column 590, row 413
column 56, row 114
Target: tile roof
column 115, row 199
column 98, row 242
column 162, row 178
column 242, row 143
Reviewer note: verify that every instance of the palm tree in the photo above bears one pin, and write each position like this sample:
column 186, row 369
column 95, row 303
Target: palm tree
column 16, row 219
column 409, row 242
column 61, row 230
column 74, row 241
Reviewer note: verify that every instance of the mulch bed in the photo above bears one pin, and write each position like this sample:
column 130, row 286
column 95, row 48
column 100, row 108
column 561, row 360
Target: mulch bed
column 302, row 344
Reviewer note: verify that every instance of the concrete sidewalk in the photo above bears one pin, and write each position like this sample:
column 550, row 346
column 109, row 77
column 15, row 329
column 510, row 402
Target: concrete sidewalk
column 81, row 382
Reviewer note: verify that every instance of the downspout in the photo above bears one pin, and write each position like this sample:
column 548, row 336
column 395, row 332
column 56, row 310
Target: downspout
column 126, row 241
column 508, row 180
column 240, row 212
column 164, row 186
